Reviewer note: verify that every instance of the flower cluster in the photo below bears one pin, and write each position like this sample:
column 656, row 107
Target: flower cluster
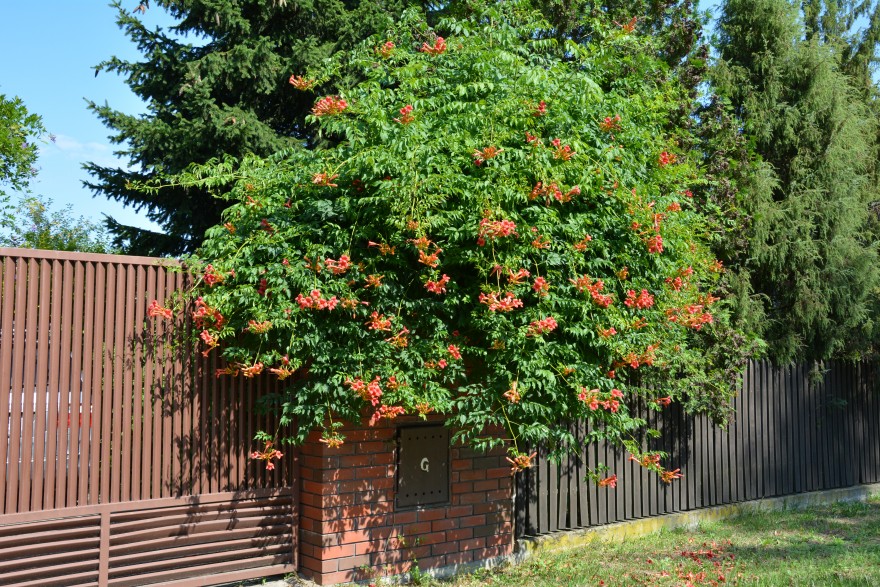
column 315, row 301
column 268, row 454
column 506, row 304
column 406, row 115
column 641, row 301
column 439, row 286
column 520, row 461
column 666, row 158
column 325, row 179
column 369, row 392
column 211, row 277
column 329, row 105
column 610, row 124
column 154, row 310
column 338, row 267
column 585, row 283
column 543, row 326
column 561, row 151
column 385, row 49
column 482, row 155
column 496, row 228
column 438, row 48
column 301, row 83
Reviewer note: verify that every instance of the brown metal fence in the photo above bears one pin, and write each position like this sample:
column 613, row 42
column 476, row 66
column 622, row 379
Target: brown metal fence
column 126, row 460
column 789, row 435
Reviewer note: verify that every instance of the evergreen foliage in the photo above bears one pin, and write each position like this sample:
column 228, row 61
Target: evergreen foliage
column 498, row 227
column 805, row 199
column 214, row 85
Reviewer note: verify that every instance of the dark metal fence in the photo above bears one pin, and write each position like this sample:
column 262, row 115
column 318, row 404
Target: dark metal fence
column 126, row 460
column 789, row 435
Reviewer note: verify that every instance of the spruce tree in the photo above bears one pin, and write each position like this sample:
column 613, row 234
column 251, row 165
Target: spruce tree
column 806, row 195
column 215, row 86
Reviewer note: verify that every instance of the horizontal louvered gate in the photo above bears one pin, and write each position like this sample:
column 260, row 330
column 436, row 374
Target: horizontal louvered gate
column 194, row 541
column 126, row 460
column 792, row 432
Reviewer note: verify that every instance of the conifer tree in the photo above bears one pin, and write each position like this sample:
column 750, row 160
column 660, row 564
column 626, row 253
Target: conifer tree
column 806, row 197
column 214, row 85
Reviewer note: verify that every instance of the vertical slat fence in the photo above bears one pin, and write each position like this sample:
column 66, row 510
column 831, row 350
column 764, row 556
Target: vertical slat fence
column 107, row 411
column 796, row 428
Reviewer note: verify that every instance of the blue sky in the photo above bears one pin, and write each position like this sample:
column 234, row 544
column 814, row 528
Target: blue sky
column 49, row 48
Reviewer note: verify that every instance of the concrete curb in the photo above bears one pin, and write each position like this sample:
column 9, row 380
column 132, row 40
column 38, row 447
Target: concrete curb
column 526, row 547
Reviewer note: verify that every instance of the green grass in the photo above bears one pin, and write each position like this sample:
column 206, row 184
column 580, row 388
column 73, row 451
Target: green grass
column 823, row 546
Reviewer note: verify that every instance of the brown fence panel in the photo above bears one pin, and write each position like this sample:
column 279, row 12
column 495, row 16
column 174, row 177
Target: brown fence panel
column 796, row 428
column 110, row 415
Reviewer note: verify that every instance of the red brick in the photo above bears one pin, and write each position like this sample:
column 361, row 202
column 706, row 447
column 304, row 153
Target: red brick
column 406, row 517
column 472, row 521
column 386, row 483
column 318, row 488
column 411, row 530
column 354, row 486
column 457, row 558
column 489, row 485
column 498, row 517
column 353, row 511
column 432, row 538
column 313, row 462
column 364, row 434
column 462, row 488
column 335, row 578
column 371, row 546
column 499, row 540
column 497, row 551
column 499, row 473
column 333, row 526
column 384, row 458
column 320, row 514
column 373, row 496
column 318, row 539
column 471, row 498
column 461, row 534
column 375, row 472
column 352, row 536
column 382, row 507
column 444, row 548
column 473, row 475
column 318, row 566
column 447, row 524
column 353, row 562
column 375, row 521
column 499, row 495
column 459, row 511
column 463, row 465
column 388, row 557
column 341, row 551
column 430, row 515
column 472, row 544
column 356, row 461
column 373, row 447
column 432, row 562
column 330, row 475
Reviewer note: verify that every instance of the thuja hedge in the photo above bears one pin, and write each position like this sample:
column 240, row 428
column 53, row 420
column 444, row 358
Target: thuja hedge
column 495, row 226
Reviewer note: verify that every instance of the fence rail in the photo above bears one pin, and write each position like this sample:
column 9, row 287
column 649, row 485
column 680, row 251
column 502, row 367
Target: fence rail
column 789, row 435
column 108, row 407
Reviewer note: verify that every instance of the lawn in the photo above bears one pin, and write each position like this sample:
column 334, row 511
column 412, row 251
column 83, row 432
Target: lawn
column 831, row 545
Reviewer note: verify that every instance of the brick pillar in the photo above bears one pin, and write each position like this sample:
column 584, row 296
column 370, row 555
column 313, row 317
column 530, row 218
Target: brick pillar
column 349, row 526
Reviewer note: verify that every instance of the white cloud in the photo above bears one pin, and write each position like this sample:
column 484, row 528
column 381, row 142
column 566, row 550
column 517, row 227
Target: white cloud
column 72, row 149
